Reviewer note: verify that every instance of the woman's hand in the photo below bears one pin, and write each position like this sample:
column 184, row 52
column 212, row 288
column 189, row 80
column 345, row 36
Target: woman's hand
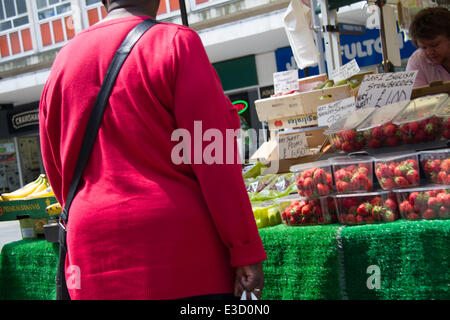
column 249, row 278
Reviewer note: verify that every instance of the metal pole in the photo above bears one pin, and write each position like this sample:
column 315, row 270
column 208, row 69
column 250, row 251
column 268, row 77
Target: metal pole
column 318, row 36
column 184, row 18
column 380, row 4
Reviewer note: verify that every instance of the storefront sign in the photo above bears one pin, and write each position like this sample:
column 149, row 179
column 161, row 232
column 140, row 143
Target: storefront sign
column 366, row 49
column 380, row 89
column 240, row 105
column 24, row 118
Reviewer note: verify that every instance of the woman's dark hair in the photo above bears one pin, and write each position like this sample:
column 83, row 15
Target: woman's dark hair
column 429, row 23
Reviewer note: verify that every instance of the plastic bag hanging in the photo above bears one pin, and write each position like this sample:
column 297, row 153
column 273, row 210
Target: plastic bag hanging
column 297, row 26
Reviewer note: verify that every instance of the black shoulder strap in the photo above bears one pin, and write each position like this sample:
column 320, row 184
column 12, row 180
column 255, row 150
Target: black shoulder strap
column 99, row 107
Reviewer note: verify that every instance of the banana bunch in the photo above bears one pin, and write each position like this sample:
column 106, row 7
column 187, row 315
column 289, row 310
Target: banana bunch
column 54, row 209
column 38, row 188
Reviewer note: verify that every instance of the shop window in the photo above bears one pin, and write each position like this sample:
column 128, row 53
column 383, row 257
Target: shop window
column 9, row 173
column 29, row 152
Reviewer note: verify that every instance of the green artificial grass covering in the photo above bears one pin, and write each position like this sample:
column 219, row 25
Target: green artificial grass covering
column 28, row 270
column 302, row 263
column 411, row 257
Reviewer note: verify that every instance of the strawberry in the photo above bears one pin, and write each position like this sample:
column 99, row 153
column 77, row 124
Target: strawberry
column 364, row 171
column 374, row 143
column 369, row 219
column 429, row 214
column 342, row 175
column 347, row 147
column 392, row 141
column 342, row 186
column 429, row 128
column 359, row 181
column 387, row 183
column 359, row 219
column 350, row 218
column 364, row 209
column 404, row 128
column 320, row 176
column 446, row 122
column 405, row 207
column 445, row 165
column 376, row 201
column 367, row 134
column 349, row 202
column 322, row 189
column 401, row 182
column 442, row 178
column 412, row 163
column 434, row 203
column 377, row 133
column 407, row 138
column 389, row 129
column 308, row 184
column 389, row 216
column 413, row 177
column 376, row 212
column 384, row 171
column 391, row 204
column 446, row 133
column 444, row 198
column 413, row 127
column 413, row 216
column 420, row 136
column 349, row 135
column 413, row 197
column 306, row 210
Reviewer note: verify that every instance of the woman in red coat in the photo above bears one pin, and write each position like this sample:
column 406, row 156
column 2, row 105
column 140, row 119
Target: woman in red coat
column 143, row 225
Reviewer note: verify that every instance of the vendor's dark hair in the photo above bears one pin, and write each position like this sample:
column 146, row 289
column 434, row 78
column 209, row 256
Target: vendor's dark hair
column 429, row 23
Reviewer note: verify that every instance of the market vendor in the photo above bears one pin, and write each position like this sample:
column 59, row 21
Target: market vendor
column 430, row 32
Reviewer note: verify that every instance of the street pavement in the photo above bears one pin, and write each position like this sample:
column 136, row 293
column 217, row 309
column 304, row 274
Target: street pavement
column 9, row 232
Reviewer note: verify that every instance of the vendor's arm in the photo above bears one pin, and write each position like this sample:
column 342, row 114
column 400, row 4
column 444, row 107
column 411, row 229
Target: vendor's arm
column 199, row 96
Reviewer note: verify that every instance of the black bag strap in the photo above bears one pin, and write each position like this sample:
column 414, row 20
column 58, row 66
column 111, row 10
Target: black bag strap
column 96, row 115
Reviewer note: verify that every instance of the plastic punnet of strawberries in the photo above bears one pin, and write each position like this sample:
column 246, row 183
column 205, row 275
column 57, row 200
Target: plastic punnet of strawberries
column 313, row 179
column 353, row 174
column 302, row 212
column 397, row 172
column 436, row 165
column 426, row 203
column 367, row 208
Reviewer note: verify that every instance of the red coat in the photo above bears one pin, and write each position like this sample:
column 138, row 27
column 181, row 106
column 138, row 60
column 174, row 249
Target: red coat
column 141, row 226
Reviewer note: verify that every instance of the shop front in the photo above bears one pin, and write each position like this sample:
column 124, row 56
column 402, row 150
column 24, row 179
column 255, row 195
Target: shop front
column 20, row 156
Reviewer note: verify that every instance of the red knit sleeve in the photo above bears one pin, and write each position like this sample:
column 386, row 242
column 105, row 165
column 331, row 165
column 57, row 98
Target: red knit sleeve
column 201, row 108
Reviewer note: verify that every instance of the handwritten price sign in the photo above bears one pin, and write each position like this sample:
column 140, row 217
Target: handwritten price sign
column 293, row 146
column 381, row 89
column 332, row 112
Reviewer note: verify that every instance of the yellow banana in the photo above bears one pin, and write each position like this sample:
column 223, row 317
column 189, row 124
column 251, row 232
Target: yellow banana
column 48, row 192
column 40, row 191
column 54, row 209
column 24, row 191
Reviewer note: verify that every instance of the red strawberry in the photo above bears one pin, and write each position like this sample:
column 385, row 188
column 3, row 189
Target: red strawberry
column 404, row 128
column 412, row 163
column 359, row 219
column 389, row 129
column 376, row 201
column 364, row 171
column 420, row 136
column 413, row 216
column 350, row 218
column 389, row 216
column 405, row 207
column 342, row 175
column 391, row 204
column 342, row 186
column 349, row 135
column 392, row 141
column 320, row 176
column 442, row 177
column 377, row 133
column 306, row 210
column 364, row 209
column 376, row 212
column 347, row 147
column 413, row 177
column 434, row 203
column 323, row 189
column 429, row 214
column 446, row 133
column 401, row 182
column 369, row 219
column 413, row 127
column 445, row 165
column 308, row 184
column 413, row 197
column 349, row 202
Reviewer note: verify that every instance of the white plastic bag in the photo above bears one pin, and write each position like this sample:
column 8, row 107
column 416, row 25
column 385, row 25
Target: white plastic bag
column 252, row 295
column 296, row 23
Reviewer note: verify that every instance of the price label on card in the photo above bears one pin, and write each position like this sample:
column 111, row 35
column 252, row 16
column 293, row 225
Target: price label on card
column 285, row 81
column 332, row 112
column 381, row 89
column 345, row 72
column 293, row 146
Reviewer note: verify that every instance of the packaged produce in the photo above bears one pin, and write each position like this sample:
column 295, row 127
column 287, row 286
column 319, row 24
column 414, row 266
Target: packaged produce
column 367, row 208
column 378, row 129
column 398, row 170
column 260, row 183
column 436, row 165
column 418, row 122
column 428, row 202
column 300, row 211
column 444, row 113
column 313, row 179
column 343, row 134
column 353, row 174
column 266, row 213
column 252, row 170
column 280, row 186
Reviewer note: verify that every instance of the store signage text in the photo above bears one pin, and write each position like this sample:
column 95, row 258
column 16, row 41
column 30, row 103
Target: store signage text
column 25, row 119
column 240, row 105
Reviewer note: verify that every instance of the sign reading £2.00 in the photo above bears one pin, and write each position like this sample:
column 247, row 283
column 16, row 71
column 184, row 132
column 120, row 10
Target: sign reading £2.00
column 380, row 89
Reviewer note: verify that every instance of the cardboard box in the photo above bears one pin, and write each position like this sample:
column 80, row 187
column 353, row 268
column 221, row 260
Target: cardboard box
column 311, row 83
column 34, row 208
column 435, row 87
column 295, row 105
